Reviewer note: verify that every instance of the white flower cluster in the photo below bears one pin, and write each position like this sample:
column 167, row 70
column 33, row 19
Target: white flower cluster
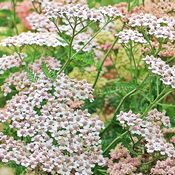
column 40, row 38
column 164, row 32
column 128, row 35
column 7, row 62
column 158, row 27
column 80, row 11
column 40, row 23
column 150, row 129
column 142, row 20
column 159, row 67
column 63, row 140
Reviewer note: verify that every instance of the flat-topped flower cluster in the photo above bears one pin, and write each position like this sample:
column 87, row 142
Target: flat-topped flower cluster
column 62, row 138
column 83, row 12
column 150, row 129
column 159, row 67
column 122, row 163
column 29, row 38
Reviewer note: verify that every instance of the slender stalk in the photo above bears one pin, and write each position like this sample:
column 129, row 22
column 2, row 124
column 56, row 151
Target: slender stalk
column 103, row 60
column 114, row 142
column 59, row 31
column 70, row 50
column 121, row 103
column 129, row 5
column 117, row 109
column 160, row 97
column 14, row 15
column 133, row 59
column 160, row 48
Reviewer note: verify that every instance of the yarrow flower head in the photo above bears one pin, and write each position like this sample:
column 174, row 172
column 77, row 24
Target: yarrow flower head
column 40, row 23
column 80, row 11
column 142, row 20
column 128, row 35
column 63, row 138
column 159, row 67
column 160, row 28
column 7, row 62
column 28, row 38
column 121, row 163
column 165, row 167
column 150, row 129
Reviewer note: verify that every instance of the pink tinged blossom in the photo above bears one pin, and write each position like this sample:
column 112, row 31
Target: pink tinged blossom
column 150, row 129
column 121, row 163
column 159, row 67
column 128, row 35
column 165, row 167
column 80, row 11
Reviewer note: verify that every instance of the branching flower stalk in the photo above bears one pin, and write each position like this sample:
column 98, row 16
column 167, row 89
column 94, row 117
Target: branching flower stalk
column 121, row 103
column 129, row 52
column 159, row 98
column 72, row 56
column 103, row 60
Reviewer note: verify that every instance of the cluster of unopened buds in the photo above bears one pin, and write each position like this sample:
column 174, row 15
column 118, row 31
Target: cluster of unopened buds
column 63, row 138
column 159, row 67
column 150, row 129
column 121, row 162
column 165, row 167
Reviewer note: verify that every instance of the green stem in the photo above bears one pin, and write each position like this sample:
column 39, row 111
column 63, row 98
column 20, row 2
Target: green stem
column 117, row 110
column 129, row 5
column 121, row 103
column 59, row 31
column 114, row 142
column 160, row 48
column 103, row 60
column 14, row 16
column 134, row 61
column 91, row 38
column 70, row 50
column 160, row 97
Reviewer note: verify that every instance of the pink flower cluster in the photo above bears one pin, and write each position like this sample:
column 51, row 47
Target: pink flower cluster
column 40, row 38
column 150, row 129
column 121, row 163
column 159, row 67
column 7, row 62
column 64, row 139
column 165, row 167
